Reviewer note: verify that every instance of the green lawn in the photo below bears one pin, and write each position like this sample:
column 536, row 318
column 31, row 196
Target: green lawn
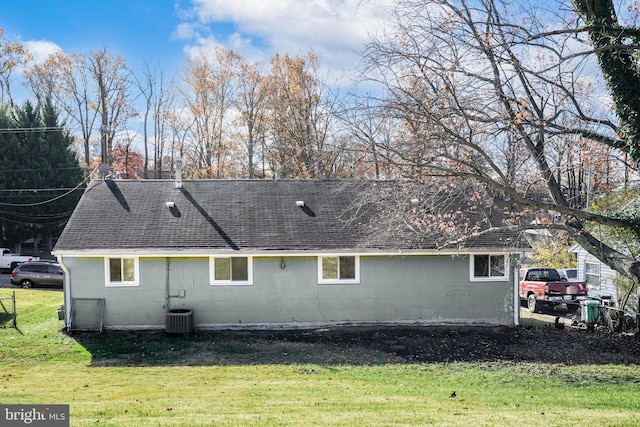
column 149, row 379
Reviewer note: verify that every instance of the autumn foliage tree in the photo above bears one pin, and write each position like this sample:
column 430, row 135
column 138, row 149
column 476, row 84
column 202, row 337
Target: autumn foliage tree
column 299, row 120
column 13, row 55
column 238, row 119
column 127, row 161
column 208, row 95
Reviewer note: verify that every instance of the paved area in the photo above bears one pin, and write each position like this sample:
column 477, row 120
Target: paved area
column 5, row 281
column 544, row 318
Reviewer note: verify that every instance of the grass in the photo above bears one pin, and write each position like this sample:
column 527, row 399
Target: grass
column 236, row 379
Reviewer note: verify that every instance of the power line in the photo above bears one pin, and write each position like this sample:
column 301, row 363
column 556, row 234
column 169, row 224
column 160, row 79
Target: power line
column 48, row 222
column 41, row 169
column 84, row 181
column 44, row 202
column 36, row 190
column 24, row 217
column 33, row 129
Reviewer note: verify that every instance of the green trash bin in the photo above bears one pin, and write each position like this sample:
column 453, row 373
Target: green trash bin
column 590, row 311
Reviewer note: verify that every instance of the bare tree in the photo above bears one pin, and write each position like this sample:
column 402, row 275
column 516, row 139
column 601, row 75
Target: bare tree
column 110, row 74
column 146, row 88
column 158, row 96
column 178, row 124
column 63, row 78
column 251, row 103
column 86, row 87
column 370, row 130
column 467, row 78
column 162, row 103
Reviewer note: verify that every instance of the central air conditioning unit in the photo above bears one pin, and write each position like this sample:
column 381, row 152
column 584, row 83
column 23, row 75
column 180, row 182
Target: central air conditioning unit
column 179, row 321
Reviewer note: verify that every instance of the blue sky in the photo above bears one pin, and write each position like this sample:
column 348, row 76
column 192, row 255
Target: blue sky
column 129, row 27
column 164, row 31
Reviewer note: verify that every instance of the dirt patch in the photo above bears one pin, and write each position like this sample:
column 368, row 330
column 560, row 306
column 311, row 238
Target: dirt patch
column 483, row 344
column 538, row 340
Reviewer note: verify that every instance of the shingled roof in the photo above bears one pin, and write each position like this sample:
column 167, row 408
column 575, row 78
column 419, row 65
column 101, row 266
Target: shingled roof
column 219, row 215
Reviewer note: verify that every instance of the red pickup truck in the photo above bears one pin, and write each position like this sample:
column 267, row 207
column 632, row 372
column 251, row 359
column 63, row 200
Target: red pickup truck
column 544, row 286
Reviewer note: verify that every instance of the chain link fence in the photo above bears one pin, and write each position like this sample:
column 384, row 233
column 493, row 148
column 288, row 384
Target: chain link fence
column 87, row 314
column 8, row 313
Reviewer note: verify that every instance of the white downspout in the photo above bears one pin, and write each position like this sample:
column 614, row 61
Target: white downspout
column 67, row 293
column 516, row 289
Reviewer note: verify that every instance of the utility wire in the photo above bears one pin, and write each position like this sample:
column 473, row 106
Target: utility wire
column 35, row 218
column 41, row 169
column 48, row 222
column 7, row 214
column 34, row 190
column 44, row 202
column 31, row 130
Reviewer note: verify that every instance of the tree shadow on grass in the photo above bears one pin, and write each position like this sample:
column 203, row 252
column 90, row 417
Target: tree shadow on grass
column 7, row 320
column 362, row 346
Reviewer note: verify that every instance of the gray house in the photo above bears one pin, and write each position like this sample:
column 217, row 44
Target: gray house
column 599, row 276
column 257, row 253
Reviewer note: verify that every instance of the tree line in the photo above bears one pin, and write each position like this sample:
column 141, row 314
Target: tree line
column 224, row 116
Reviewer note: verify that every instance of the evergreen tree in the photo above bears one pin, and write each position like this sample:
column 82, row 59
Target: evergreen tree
column 61, row 171
column 39, row 173
column 4, row 144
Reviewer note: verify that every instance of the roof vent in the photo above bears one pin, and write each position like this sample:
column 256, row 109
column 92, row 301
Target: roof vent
column 171, row 205
column 178, row 172
column 300, row 203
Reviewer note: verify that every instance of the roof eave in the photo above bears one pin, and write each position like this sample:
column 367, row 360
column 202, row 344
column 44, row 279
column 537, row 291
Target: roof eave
column 206, row 252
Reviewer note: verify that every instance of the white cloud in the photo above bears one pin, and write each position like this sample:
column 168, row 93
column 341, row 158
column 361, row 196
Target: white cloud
column 185, row 31
column 41, row 49
column 333, row 29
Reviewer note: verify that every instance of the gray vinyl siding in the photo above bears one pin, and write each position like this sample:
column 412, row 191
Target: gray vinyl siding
column 391, row 288
column 606, row 287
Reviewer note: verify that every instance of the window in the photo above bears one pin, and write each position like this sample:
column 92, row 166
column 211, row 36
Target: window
column 489, row 267
column 230, row 270
column 339, row 269
column 122, row 271
column 36, row 268
column 592, row 274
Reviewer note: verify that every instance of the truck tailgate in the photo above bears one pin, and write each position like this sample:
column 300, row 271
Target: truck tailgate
column 567, row 288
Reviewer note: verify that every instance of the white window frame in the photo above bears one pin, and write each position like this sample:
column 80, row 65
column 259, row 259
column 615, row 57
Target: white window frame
column 598, row 275
column 474, row 278
column 212, row 271
column 338, row 281
column 136, row 271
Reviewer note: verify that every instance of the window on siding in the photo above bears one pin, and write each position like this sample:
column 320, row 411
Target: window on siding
column 489, row 267
column 122, row 271
column 339, row 269
column 592, row 274
column 231, row 270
